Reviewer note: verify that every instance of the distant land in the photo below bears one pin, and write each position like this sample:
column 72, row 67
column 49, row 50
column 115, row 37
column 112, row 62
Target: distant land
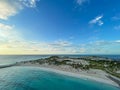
column 93, row 67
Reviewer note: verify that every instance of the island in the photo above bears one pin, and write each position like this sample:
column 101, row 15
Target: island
column 96, row 68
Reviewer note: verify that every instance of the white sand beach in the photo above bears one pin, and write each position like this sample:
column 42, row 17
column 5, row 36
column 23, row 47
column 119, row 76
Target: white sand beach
column 92, row 74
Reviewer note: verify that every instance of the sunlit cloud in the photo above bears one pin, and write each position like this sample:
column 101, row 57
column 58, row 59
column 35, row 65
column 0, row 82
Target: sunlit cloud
column 97, row 20
column 12, row 7
column 8, row 9
column 29, row 3
column 9, row 37
column 11, row 42
column 60, row 43
column 118, row 41
column 7, row 32
column 82, row 50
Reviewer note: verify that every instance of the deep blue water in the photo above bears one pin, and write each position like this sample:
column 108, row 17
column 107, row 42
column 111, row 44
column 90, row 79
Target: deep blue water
column 6, row 59
column 32, row 78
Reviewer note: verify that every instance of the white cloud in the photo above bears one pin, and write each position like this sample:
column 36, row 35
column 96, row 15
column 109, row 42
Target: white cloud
column 8, row 34
column 12, row 7
column 12, row 42
column 97, row 20
column 82, row 50
column 29, row 3
column 103, row 47
column 6, row 31
column 81, row 2
column 118, row 41
column 103, row 43
column 5, row 27
column 7, row 9
column 62, row 43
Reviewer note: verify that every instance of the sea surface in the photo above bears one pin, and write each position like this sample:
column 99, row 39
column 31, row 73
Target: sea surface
column 32, row 78
column 10, row 59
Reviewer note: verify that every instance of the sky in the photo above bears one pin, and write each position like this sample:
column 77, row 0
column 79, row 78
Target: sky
column 59, row 26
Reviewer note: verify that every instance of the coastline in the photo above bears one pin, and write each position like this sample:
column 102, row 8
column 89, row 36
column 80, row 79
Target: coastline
column 9, row 65
column 82, row 74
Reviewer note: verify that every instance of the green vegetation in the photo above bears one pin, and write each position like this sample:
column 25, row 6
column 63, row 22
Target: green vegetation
column 110, row 66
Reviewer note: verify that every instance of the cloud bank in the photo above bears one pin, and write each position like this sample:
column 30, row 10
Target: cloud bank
column 10, row 8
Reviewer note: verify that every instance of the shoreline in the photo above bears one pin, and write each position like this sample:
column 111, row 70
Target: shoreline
column 85, row 76
column 9, row 65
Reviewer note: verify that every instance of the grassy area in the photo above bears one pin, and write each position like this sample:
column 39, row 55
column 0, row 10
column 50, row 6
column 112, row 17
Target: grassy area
column 109, row 66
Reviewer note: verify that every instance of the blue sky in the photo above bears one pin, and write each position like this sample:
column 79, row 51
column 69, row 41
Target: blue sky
column 59, row 27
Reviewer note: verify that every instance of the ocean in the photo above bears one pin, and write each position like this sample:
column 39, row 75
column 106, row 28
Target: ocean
column 32, row 78
column 10, row 59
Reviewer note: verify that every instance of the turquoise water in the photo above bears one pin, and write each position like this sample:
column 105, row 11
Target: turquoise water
column 32, row 78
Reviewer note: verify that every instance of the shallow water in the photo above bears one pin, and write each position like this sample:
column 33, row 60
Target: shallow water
column 32, row 78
